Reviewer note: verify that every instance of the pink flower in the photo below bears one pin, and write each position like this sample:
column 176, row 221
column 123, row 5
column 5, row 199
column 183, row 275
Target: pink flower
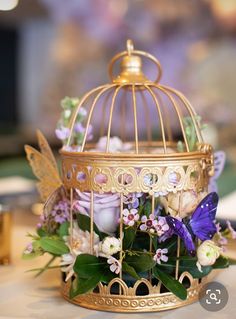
column 115, row 265
column 130, row 216
column 148, row 223
column 230, row 228
column 161, row 226
column 220, row 238
column 62, row 133
column 160, row 255
column 106, row 209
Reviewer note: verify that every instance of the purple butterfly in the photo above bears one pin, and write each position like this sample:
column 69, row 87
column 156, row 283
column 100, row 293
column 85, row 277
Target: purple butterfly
column 201, row 224
column 219, row 163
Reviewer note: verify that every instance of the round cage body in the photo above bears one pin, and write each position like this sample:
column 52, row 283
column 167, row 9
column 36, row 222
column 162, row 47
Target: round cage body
column 144, row 160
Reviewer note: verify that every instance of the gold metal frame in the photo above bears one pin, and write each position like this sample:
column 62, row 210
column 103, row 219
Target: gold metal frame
column 128, row 300
column 156, row 157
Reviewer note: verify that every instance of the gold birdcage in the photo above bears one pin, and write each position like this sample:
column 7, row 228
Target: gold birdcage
column 149, row 119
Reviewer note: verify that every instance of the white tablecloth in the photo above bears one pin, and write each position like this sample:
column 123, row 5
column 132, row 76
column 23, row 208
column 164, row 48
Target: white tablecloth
column 22, row 296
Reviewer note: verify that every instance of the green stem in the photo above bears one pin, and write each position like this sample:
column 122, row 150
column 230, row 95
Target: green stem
column 46, row 266
column 39, row 269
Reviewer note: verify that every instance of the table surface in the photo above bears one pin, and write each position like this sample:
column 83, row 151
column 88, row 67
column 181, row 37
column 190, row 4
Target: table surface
column 23, row 296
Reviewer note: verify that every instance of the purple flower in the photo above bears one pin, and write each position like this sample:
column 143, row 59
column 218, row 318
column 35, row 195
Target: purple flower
column 161, row 255
column 80, row 129
column 62, row 133
column 106, row 209
column 132, row 200
column 29, row 249
column 61, row 212
column 148, row 223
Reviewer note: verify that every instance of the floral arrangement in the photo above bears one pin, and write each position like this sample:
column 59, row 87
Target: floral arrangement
column 188, row 217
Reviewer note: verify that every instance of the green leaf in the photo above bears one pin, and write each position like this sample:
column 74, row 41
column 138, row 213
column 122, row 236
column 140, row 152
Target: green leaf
column 147, row 208
column 31, row 255
column 221, row 262
column 140, row 263
column 130, row 270
column 84, row 224
column 41, row 232
column 64, row 229
column 232, row 261
column 170, row 283
column 190, row 266
column 86, row 264
column 83, row 285
column 53, row 246
column 129, row 236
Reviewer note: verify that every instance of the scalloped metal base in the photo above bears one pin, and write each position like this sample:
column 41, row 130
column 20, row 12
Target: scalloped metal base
column 128, row 302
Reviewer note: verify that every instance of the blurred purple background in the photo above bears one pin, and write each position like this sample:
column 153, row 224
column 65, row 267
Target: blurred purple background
column 53, row 48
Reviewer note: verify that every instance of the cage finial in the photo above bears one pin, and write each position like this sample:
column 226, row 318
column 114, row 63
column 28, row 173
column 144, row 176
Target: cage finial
column 131, row 66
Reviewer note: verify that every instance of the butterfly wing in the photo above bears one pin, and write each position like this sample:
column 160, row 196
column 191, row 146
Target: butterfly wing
column 56, row 196
column 219, row 163
column 49, row 179
column 46, row 149
column 202, row 220
column 181, row 230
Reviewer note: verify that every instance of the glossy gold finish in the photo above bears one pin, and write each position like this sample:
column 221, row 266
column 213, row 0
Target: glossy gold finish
column 137, row 166
column 129, row 301
column 128, row 101
column 5, row 235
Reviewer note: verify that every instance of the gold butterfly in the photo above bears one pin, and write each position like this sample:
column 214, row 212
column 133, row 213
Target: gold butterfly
column 44, row 167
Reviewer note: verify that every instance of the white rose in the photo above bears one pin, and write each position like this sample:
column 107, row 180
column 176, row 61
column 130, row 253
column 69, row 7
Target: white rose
column 207, row 253
column 183, row 204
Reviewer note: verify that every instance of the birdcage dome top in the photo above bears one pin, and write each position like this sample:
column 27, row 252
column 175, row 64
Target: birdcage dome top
column 139, row 123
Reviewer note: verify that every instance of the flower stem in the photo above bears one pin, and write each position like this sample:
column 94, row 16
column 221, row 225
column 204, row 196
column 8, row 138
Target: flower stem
column 42, row 270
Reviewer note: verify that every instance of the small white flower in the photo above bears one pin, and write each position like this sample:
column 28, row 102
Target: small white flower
column 161, row 255
column 115, row 265
column 82, row 111
column 130, row 216
column 109, row 246
column 207, row 253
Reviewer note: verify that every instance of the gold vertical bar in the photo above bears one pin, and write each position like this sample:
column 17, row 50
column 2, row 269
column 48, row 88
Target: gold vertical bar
column 135, row 119
column 91, row 113
column 177, row 260
column 178, row 243
column 190, row 109
column 150, row 243
column 147, row 117
column 160, row 116
column 123, row 118
column 91, row 222
column 71, row 217
column 121, row 233
column 110, row 117
column 179, row 115
column 75, row 114
column 167, row 116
